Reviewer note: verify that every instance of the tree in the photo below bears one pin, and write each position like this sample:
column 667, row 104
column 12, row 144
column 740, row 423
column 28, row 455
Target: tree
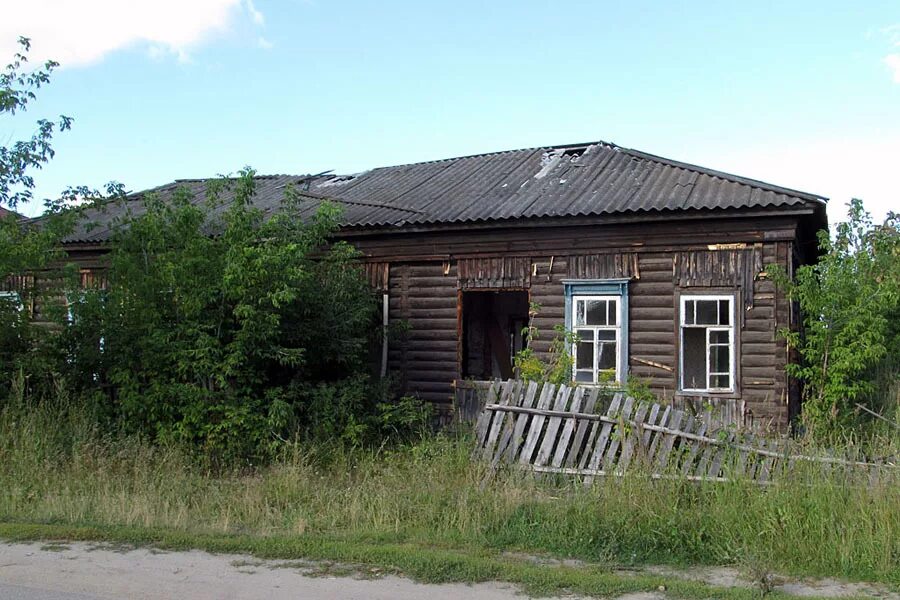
column 25, row 248
column 850, row 342
column 227, row 329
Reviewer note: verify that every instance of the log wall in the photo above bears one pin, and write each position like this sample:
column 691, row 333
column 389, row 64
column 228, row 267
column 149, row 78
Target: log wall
column 425, row 288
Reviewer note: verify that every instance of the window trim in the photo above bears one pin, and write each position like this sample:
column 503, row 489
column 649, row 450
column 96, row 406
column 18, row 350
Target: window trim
column 615, row 288
column 617, row 329
column 732, row 328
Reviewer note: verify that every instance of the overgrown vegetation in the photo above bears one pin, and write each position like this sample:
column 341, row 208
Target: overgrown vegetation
column 55, row 467
column 230, row 342
column 850, row 343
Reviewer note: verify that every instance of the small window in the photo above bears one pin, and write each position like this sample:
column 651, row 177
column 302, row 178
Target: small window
column 707, row 344
column 598, row 332
column 11, row 300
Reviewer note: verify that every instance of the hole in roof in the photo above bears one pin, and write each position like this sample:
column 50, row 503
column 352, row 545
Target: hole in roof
column 338, row 180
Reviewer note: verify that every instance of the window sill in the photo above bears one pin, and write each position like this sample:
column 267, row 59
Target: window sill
column 736, row 395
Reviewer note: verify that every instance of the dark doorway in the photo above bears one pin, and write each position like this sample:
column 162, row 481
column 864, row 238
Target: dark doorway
column 492, row 332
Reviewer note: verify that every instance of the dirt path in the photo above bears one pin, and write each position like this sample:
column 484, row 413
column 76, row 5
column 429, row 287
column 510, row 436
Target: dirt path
column 82, row 571
column 90, row 571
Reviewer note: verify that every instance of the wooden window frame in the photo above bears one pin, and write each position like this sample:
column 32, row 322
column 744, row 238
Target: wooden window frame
column 617, row 328
column 709, row 295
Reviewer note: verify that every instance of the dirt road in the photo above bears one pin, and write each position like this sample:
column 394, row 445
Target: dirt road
column 79, row 571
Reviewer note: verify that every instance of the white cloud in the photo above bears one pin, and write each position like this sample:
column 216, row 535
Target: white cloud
column 893, row 63
column 255, row 14
column 264, row 43
column 83, row 32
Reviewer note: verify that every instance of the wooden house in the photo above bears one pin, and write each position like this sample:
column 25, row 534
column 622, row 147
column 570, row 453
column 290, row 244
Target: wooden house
column 659, row 267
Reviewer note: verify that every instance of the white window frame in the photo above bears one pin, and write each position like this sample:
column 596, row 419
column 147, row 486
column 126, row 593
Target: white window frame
column 732, row 344
column 617, row 328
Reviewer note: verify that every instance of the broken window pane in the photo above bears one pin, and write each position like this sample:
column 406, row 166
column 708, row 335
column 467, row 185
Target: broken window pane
column 693, row 350
column 707, row 312
column 579, row 312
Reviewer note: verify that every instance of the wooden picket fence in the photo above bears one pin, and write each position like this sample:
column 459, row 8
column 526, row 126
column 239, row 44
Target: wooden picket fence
column 590, row 433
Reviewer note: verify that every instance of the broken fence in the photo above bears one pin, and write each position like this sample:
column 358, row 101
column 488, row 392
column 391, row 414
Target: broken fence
column 590, row 432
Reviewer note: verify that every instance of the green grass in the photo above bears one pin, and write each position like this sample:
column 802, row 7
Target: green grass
column 422, row 510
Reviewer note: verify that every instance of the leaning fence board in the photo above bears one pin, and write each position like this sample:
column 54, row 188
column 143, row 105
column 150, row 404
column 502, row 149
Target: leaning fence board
column 600, row 444
column 582, row 428
column 563, row 429
column 521, row 421
column 553, row 424
column 630, row 440
column 537, row 423
column 507, row 396
column 562, row 446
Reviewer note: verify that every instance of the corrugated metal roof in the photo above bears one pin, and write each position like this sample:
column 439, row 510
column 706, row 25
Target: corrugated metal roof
column 549, row 182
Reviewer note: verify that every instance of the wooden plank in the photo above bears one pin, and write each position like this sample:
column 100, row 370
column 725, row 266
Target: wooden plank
column 616, row 439
column 484, row 419
column 521, row 421
column 686, row 445
column 507, row 395
column 705, row 453
column 506, row 438
column 553, row 425
column 654, row 444
column 562, row 447
column 632, row 436
column 537, row 424
column 648, row 433
column 669, row 441
column 596, row 454
column 582, row 430
column 715, row 465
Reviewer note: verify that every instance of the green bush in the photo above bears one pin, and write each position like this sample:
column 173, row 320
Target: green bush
column 850, row 341
column 229, row 330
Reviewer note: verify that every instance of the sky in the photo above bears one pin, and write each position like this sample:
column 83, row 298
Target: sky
column 804, row 94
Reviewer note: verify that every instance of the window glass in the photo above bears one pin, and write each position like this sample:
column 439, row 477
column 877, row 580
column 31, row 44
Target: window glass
column 693, row 349
column 707, row 344
column 606, row 355
column 689, row 312
column 597, row 328
column 719, row 361
column 707, row 312
column 597, row 312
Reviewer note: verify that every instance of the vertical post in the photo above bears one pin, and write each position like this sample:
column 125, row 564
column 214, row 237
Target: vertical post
column 385, row 305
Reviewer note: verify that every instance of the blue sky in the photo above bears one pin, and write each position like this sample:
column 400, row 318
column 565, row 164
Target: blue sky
column 803, row 94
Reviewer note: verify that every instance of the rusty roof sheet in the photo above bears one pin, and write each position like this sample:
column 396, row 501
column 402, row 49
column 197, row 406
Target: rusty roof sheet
column 548, row 182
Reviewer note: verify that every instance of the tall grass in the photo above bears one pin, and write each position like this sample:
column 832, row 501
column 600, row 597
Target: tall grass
column 56, row 467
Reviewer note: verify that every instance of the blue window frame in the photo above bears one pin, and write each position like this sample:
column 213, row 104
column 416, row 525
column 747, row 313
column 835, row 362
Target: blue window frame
column 597, row 313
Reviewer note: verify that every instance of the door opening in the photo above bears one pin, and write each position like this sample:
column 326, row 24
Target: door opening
column 492, row 332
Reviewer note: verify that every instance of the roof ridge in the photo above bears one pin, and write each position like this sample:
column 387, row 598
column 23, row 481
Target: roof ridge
column 496, row 152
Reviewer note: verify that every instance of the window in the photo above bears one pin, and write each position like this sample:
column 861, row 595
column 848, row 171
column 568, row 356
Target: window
column 597, row 314
column 11, row 299
column 598, row 331
column 707, row 343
